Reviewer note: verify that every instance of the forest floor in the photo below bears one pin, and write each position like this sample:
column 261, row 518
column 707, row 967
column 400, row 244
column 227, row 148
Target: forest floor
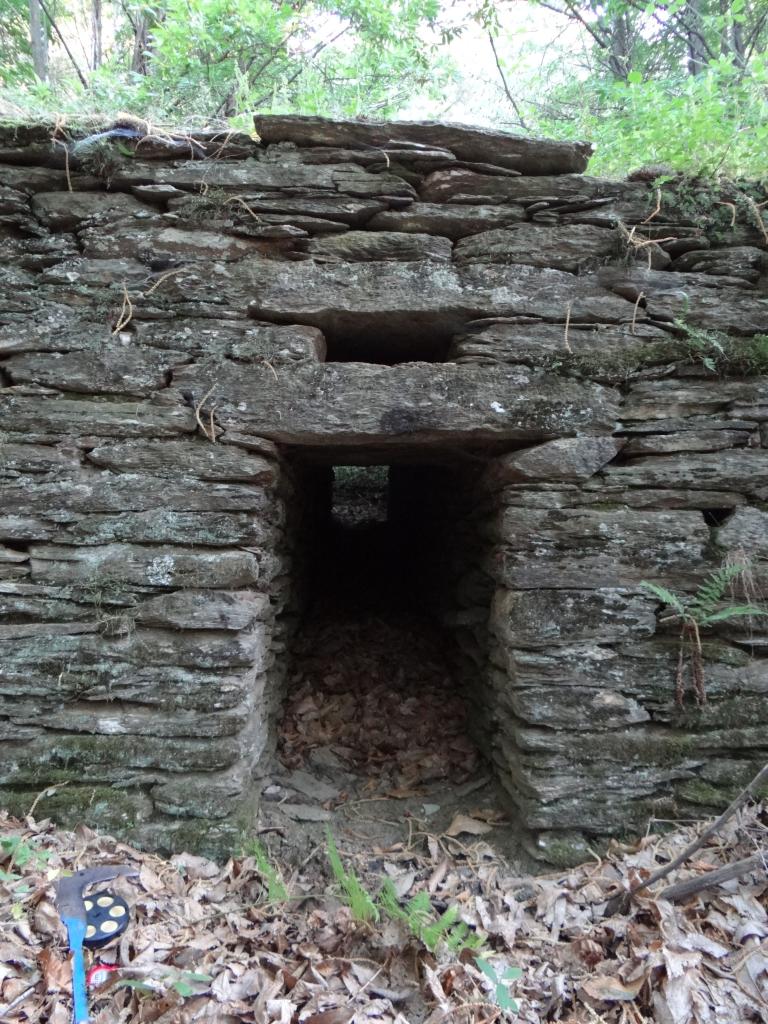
column 270, row 935
column 373, row 744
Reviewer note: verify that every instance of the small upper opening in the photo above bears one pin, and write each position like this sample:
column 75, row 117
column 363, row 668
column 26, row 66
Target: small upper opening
column 387, row 350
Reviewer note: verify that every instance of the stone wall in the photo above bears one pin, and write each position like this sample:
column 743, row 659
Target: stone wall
column 184, row 319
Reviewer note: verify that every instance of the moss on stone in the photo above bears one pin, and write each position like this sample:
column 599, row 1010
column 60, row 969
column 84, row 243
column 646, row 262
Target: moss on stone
column 100, row 807
column 704, row 794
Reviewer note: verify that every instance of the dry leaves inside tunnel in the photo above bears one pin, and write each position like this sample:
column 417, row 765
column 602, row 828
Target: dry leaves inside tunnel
column 380, row 695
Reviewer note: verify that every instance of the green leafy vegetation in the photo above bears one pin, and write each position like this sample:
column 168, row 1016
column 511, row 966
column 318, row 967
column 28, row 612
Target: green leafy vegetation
column 418, row 914
column 360, row 901
column 682, row 84
column 723, row 354
column 501, row 984
column 705, row 608
column 269, row 872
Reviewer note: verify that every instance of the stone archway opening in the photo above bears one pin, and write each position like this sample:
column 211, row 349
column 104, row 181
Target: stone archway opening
column 386, row 699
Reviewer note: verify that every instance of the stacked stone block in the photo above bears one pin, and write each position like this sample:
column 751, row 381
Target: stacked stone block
column 182, row 324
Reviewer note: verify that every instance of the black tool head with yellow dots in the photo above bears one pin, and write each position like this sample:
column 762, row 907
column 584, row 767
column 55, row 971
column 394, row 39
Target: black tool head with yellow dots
column 106, row 917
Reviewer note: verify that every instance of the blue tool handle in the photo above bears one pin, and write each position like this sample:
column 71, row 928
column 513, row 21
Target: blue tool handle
column 76, row 932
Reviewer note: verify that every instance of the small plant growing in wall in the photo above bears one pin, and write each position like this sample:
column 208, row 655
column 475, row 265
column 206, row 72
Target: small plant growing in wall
column 705, row 608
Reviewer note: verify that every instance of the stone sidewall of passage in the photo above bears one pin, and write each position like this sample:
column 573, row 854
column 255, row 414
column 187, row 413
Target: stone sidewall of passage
column 166, row 309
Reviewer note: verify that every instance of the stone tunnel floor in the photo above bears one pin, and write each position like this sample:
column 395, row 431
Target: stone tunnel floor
column 373, row 743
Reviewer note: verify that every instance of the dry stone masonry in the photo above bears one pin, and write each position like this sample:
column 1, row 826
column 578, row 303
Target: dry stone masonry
column 195, row 327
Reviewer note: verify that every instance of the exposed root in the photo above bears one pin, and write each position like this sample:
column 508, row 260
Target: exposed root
column 126, row 313
column 211, row 436
column 638, row 300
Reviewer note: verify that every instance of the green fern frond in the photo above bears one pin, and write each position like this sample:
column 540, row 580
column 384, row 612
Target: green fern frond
column 359, row 899
column 389, row 902
column 276, row 890
column 419, row 911
column 733, row 611
column 713, row 590
column 665, row 596
column 432, row 933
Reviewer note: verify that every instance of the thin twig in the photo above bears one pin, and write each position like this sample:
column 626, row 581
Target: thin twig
column 198, row 409
column 755, row 211
column 638, row 300
column 748, row 791
column 4, row 1010
column 681, row 890
column 656, row 210
column 163, row 277
column 732, row 207
column 48, row 791
column 55, row 27
column 126, row 312
column 509, row 95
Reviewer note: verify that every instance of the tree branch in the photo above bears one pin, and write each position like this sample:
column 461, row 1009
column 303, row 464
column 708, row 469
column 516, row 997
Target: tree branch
column 510, row 97
column 748, row 791
column 63, row 41
column 682, row 890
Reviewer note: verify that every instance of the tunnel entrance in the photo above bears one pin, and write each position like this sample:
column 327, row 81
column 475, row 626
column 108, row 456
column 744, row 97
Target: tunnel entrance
column 383, row 712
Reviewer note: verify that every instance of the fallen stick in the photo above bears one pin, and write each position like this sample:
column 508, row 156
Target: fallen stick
column 681, row 890
column 711, row 830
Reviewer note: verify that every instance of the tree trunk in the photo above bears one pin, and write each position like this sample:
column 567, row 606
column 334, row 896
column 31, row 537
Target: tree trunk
column 621, row 47
column 96, row 56
column 697, row 48
column 39, row 39
column 140, row 59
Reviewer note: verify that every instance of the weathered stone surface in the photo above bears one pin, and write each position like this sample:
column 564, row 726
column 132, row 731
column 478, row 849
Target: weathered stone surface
column 355, row 403
column 447, row 221
column 458, row 185
column 45, row 179
column 111, row 755
column 64, row 211
column 746, row 530
column 543, row 617
column 540, row 246
column 740, row 261
column 198, row 797
column 16, row 459
column 698, row 299
column 188, row 458
column 298, row 203
column 167, row 687
column 158, row 525
column 595, row 548
column 142, row 722
column 245, row 341
column 150, row 580
column 355, row 246
column 112, row 371
column 258, row 175
column 531, row 341
column 688, row 441
column 168, row 567
column 102, row 491
column 743, row 470
column 411, row 298
column 104, row 808
column 56, row 328
column 202, row 609
column 529, row 156
column 669, row 399
column 148, row 242
column 567, row 458
column 71, row 416
column 204, row 649
column 570, row 709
